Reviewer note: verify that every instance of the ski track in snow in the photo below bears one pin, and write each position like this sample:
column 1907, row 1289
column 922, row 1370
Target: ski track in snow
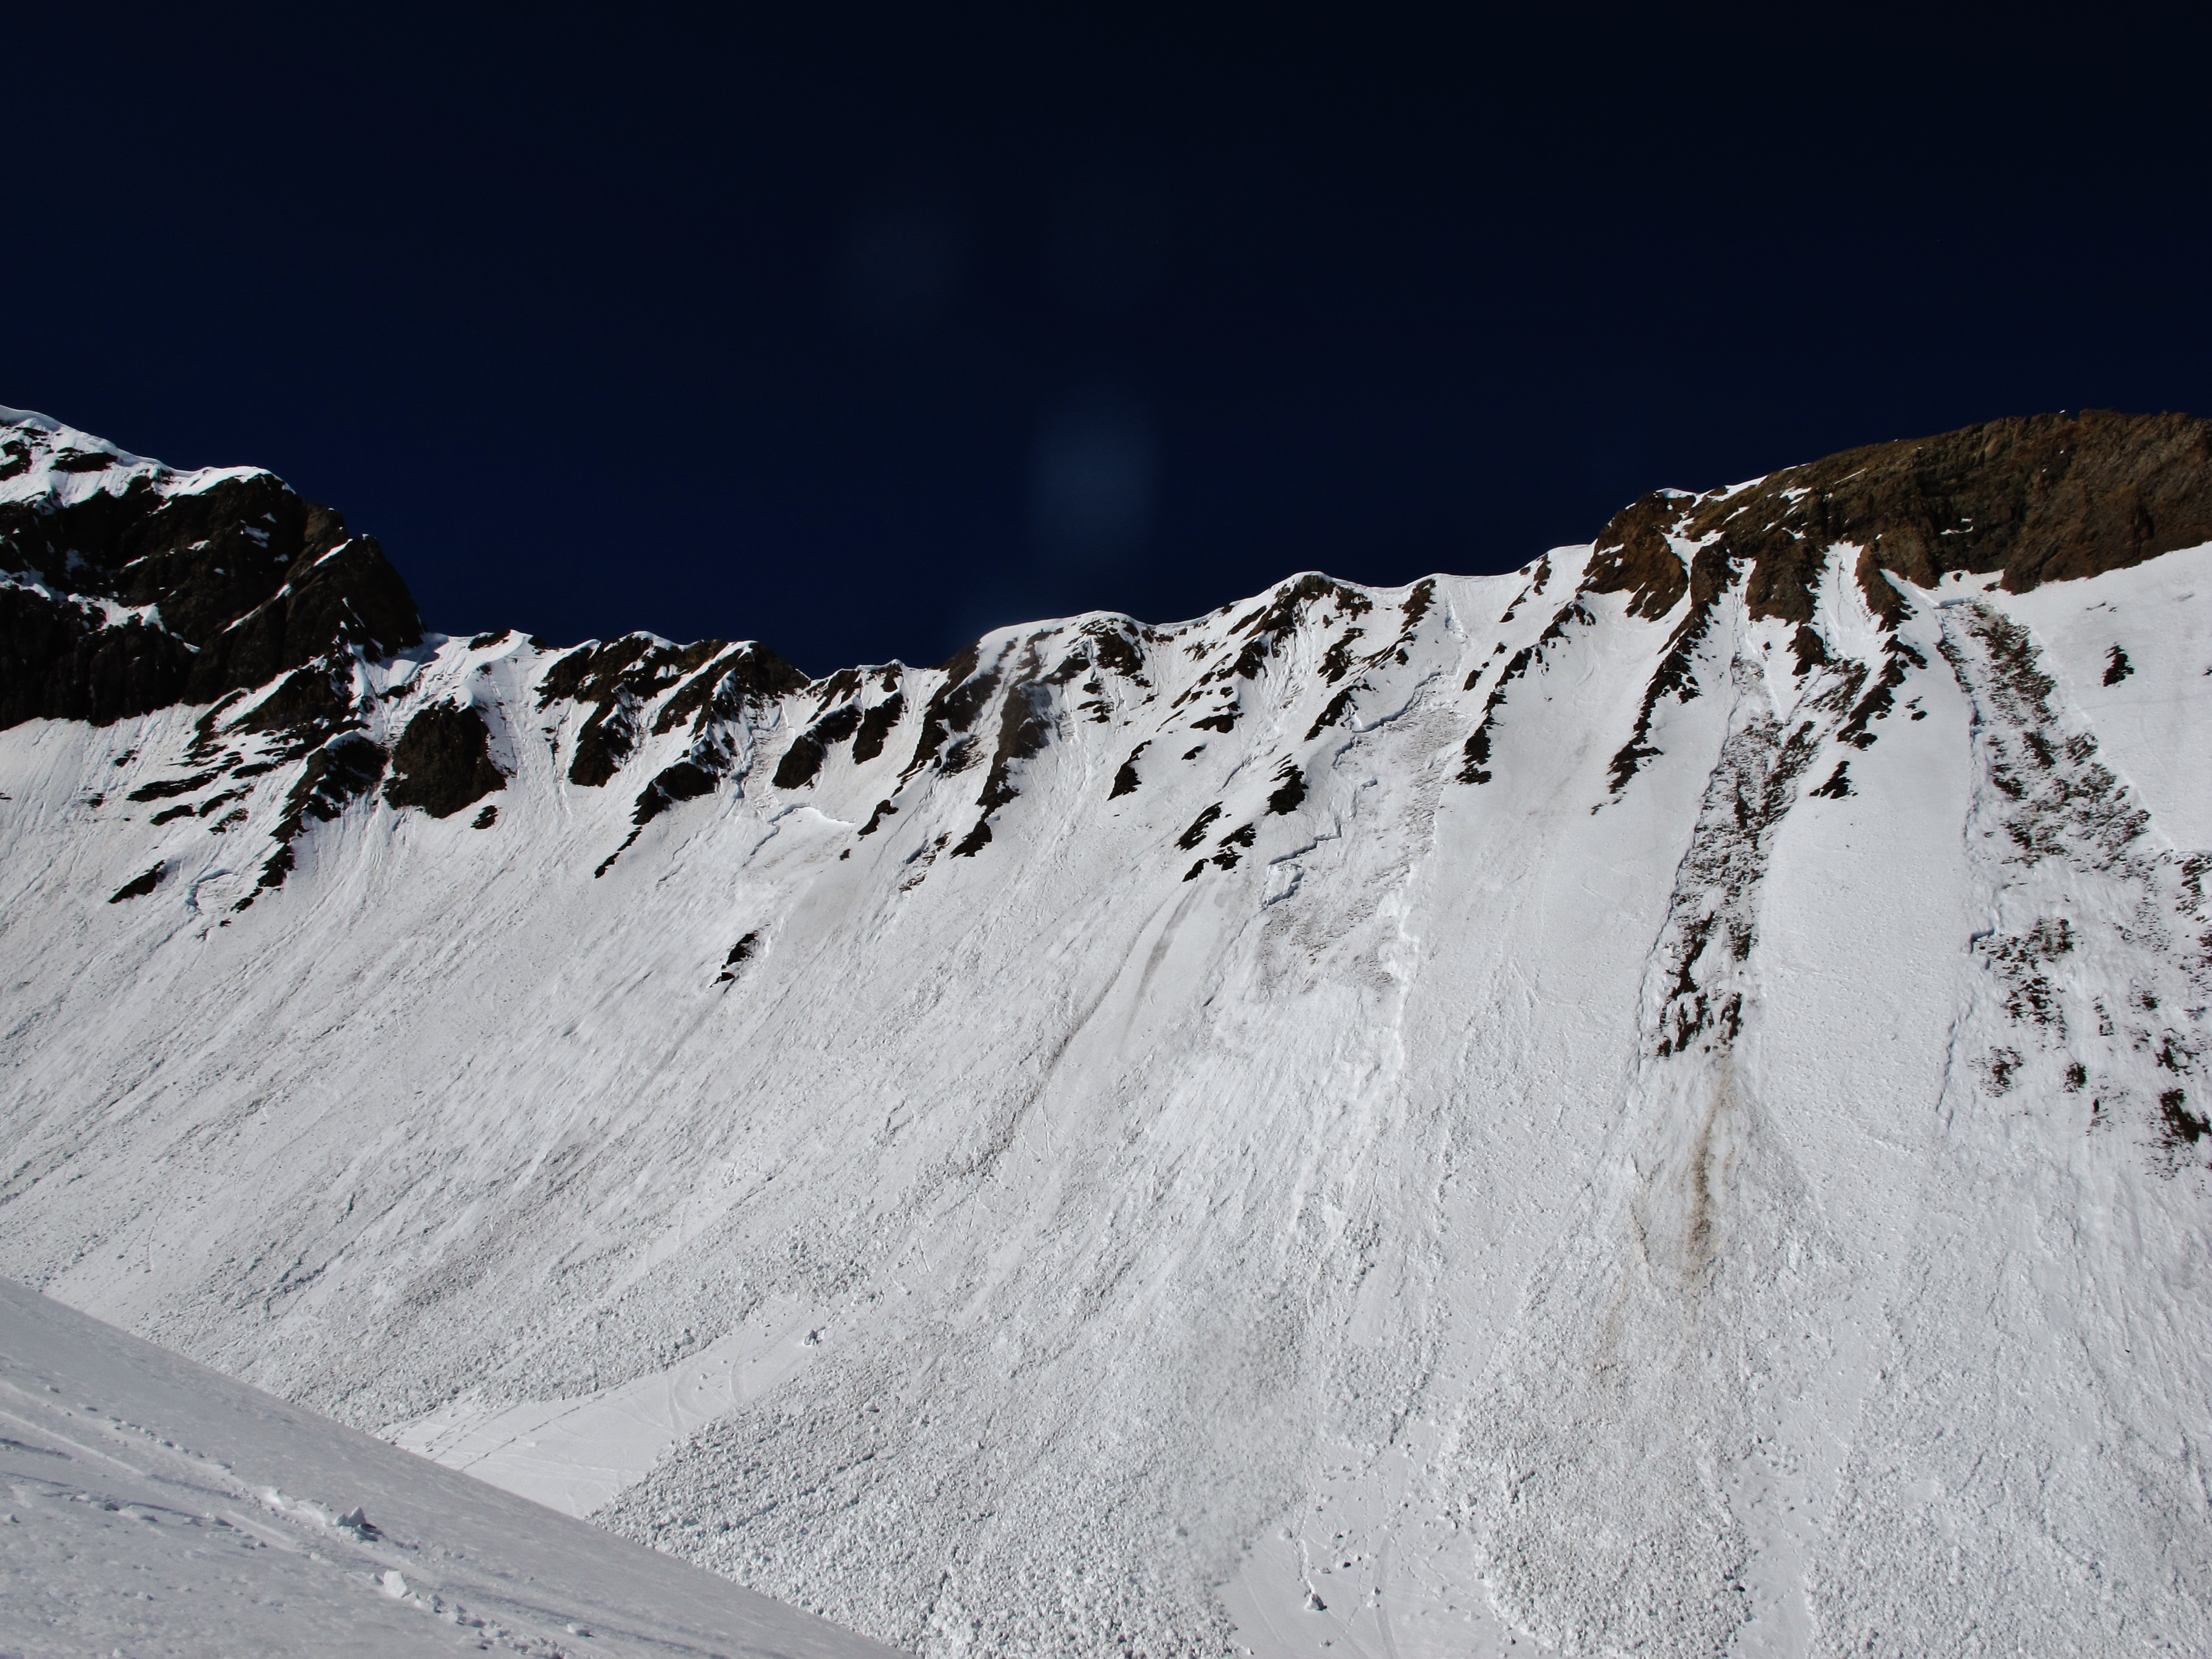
column 153, row 1507
column 1491, row 1218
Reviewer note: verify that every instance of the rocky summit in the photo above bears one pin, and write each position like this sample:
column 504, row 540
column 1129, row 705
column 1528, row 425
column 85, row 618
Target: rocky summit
column 1654, row 1103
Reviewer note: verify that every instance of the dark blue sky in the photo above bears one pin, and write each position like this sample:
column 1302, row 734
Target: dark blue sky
column 861, row 333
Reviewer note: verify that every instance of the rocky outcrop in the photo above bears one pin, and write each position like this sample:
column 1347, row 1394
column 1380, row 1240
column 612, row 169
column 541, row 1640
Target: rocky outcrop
column 135, row 586
column 2035, row 499
column 621, row 676
column 2040, row 497
column 443, row 761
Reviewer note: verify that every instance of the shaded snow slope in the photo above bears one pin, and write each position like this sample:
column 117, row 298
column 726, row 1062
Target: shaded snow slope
column 155, row 1507
column 1654, row 1103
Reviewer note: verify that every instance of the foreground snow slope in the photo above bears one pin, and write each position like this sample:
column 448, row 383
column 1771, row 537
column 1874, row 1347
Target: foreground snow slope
column 155, row 1507
column 1652, row 1103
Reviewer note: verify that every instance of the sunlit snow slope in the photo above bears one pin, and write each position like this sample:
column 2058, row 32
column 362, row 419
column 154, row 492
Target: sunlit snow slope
column 155, row 1507
column 1656, row 1103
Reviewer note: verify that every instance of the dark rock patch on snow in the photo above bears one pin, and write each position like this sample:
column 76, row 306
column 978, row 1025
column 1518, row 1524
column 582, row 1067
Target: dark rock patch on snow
column 749, row 674
column 308, row 699
column 336, row 775
column 686, row 781
column 1024, row 727
column 139, row 886
column 443, row 761
column 621, row 677
column 1898, row 660
column 1126, row 780
column 1196, row 833
column 953, row 709
column 741, row 953
column 1839, row 784
column 1676, row 676
column 1810, row 650
column 169, row 788
column 876, row 724
column 803, row 760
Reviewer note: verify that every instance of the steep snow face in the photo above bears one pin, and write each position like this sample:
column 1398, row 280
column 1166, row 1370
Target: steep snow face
column 154, row 1506
column 1657, row 1102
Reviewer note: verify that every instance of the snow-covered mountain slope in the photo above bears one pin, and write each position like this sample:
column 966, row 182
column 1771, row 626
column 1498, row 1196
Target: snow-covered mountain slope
column 1653, row 1104
column 154, row 1506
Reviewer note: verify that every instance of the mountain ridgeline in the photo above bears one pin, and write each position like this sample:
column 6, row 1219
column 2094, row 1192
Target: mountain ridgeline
column 1654, row 1102
column 139, row 588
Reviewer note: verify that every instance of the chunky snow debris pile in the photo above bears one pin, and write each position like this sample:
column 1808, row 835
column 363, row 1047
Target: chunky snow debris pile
column 1658, row 1102
column 154, row 1506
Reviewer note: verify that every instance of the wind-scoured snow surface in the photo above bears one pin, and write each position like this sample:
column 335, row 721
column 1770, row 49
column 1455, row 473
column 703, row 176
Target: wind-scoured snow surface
column 155, row 1507
column 1495, row 1116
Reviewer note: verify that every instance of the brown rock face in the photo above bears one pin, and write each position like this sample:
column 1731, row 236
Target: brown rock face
column 2040, row 497
column 1634, row 556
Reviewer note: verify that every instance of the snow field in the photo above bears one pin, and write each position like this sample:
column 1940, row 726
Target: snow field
column 155, row 1507
column 1514, row 1217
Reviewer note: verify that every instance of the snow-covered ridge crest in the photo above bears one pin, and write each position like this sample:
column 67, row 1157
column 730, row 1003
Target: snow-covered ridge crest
column 42, row 460
column 1643, row 1103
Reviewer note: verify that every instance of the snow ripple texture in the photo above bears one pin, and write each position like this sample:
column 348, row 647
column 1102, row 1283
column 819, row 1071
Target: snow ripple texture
column 1137, row 1151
